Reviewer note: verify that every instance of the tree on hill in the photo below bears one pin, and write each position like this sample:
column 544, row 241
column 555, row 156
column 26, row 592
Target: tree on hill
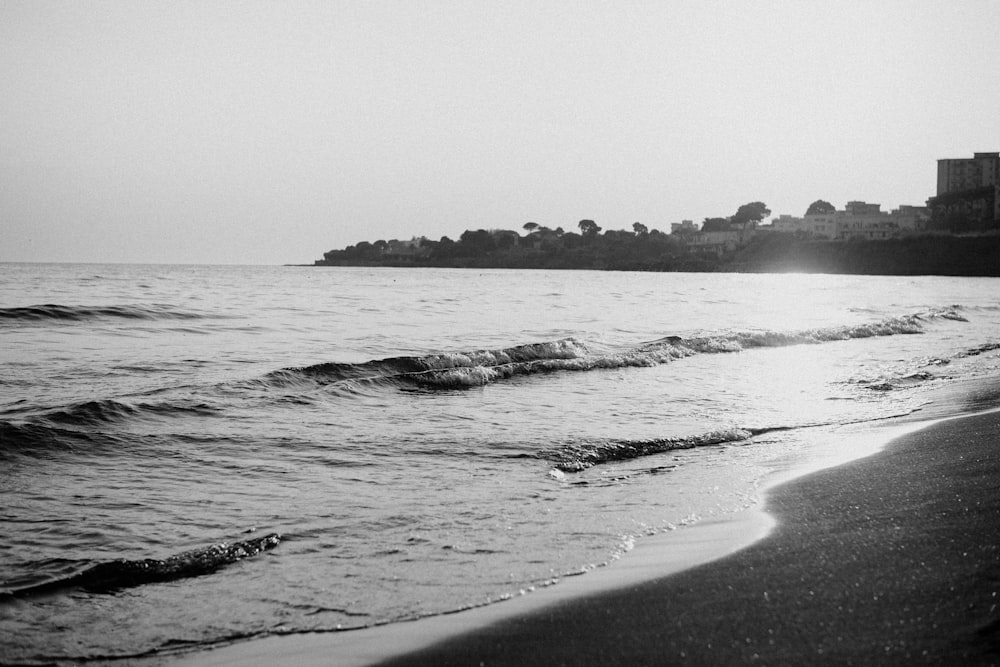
column 477, row 241
column 530, row 226
column 640, row 229
column 365, row 250
column 588, row 227
column 753, row 212
column 715, row 225
column 820, row 207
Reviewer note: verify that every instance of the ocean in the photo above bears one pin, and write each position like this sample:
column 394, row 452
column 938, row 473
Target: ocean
column 191, row 455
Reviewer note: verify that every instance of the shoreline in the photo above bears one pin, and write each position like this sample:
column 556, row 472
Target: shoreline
column 768, row 251
column 893, row 559
column 653, row 558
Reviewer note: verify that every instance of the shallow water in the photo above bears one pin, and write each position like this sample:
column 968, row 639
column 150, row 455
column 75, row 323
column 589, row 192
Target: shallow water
column 421, row 440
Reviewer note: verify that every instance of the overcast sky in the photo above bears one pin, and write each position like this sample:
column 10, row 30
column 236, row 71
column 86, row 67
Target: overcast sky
column 270, row 132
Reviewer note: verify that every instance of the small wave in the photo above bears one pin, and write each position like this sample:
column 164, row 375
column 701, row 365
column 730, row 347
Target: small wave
column 979, row 349
column 118, row 574
column 577, row 457
column 92, row 413
column 38, row 439
column 52, row 312
column 739, row 341
column 900, row 382
column 84, row 424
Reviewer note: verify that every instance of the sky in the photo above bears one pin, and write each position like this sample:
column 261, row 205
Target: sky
column 260, row 132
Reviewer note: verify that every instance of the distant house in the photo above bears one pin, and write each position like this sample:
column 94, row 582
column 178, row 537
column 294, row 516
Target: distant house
column 786, row 223
column 406, row 249
column 683, row 226
column 861, row 220
column 716, row 243
column 910, row 219
column 821, row 225
column 722, row 242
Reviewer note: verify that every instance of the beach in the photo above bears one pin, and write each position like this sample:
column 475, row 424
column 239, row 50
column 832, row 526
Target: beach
column 467, row 453
column 890, row 559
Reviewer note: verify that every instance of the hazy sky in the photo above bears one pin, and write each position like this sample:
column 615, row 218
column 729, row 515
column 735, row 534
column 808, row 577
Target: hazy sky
column 270, row 132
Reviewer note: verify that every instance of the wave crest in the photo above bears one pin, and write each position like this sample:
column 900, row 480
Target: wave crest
column 578, row 457
column 459, row 370
column 93, row 413
column 455, row 370
column 118, row 574
column 53, row 312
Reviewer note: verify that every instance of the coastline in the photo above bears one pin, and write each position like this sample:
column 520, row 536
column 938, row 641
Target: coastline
column 938, row 253
column 894, row 559
column 659, row 558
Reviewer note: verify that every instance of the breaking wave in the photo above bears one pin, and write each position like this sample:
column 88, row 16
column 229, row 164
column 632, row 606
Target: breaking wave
column 115, row 575
column 449, row 370
column 482, row 367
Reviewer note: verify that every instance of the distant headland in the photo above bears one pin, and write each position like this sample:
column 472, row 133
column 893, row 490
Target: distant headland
column 957, row 233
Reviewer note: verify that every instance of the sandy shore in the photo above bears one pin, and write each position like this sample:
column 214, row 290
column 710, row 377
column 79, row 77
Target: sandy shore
column 891, row 559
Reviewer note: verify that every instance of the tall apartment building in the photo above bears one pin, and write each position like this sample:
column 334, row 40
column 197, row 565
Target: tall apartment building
column 959, row 175
column 968, row 194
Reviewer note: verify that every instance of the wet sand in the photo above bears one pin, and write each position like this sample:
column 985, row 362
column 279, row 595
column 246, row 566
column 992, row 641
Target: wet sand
column 890, row 559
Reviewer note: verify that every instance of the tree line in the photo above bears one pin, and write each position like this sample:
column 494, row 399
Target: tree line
column 591, row 247
column 940, row 252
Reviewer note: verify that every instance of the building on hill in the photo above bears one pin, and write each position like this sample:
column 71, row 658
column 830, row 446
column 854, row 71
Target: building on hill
column 683, row 226
column 968, row 193
column 959, row 175
column 411, row 249
column 820, row 225
column 723, row 241
column 858, row 220
column 910, row 219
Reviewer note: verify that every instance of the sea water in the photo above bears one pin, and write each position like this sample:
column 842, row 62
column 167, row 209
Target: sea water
column 193, row 454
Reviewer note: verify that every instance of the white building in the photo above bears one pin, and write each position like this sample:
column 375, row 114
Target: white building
column 858, row 220
column 683, row 226
column 819, row 225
